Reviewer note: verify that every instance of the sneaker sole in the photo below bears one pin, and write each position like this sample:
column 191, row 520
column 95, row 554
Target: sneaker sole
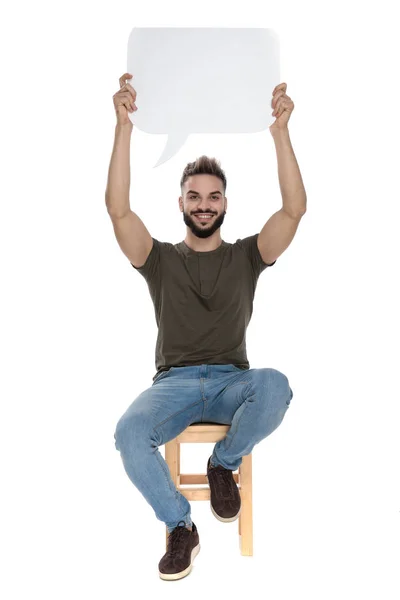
column 173, row 576
column 225, row 519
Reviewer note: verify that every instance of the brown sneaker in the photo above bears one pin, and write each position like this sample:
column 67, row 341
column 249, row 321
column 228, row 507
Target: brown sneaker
column 183, row 546
column 225, row 498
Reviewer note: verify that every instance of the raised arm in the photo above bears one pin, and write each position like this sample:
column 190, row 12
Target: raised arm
column 132, row 236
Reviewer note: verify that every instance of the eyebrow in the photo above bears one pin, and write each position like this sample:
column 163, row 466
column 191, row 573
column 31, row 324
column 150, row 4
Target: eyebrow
column 210, row 194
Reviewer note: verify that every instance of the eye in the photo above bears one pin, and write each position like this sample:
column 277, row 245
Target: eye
column 192, row 197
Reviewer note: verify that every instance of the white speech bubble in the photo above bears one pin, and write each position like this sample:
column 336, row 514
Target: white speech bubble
column 202, row 80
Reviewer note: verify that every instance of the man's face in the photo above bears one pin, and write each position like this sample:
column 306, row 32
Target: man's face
column 203, row 195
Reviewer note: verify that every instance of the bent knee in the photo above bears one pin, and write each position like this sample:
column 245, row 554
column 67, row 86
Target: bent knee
column 132, row 432
column 277, row 385
column 273, row 378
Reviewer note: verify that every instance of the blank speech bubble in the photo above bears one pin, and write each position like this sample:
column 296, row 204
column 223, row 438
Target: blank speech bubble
column 202, row 80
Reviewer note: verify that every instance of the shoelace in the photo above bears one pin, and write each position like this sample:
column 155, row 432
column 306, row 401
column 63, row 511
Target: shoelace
column 224, row 474
column 175, row 537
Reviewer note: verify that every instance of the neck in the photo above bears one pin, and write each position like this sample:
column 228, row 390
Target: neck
column 203, row 244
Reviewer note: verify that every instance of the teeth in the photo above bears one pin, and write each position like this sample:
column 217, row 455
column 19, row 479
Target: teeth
column 204, row 217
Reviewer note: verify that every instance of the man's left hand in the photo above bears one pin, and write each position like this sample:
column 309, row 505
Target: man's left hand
column 283, row 107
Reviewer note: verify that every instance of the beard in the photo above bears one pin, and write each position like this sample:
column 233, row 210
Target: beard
column 205, row 230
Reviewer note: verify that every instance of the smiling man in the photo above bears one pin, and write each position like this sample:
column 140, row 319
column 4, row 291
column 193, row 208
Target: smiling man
column 202, row 289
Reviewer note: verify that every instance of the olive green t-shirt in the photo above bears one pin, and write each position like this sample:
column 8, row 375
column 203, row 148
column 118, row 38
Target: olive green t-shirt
column 203, row 301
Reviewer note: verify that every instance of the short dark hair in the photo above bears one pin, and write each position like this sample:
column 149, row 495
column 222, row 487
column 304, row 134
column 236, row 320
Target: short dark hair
column 204, row 166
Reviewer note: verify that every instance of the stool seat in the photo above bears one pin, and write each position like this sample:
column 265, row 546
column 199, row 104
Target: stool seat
column 206, row 432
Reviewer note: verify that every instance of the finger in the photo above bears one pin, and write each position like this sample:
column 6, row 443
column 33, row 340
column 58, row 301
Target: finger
column 122, row 79
column 281, row 86
column 280, row 111
column 281, row 105
column 287, row 104
column 276, row 98
column 125, row 99
column 287, row 101
column 276, row 108
column 132, row 90
column 129, row 102
column 277, row 101
column 127, row 87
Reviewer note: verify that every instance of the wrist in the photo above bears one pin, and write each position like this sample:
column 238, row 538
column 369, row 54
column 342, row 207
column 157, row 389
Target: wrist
column 280, row 133
column 127, row 126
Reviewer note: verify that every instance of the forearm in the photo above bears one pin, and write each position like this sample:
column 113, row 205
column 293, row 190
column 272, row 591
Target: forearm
column 294, row 196
column 117, row 191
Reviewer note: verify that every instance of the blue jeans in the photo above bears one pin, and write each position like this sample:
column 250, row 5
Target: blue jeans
column 252, row 401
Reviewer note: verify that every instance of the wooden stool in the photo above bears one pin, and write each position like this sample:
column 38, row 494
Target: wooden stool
column 213, row 432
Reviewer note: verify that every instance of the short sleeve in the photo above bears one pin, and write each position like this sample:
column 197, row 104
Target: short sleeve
column 249, row 246
column 151, row 268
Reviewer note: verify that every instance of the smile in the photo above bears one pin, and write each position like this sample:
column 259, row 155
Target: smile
column 204, row 217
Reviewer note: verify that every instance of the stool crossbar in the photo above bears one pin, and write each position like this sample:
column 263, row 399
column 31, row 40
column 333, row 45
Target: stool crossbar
column 206, row 433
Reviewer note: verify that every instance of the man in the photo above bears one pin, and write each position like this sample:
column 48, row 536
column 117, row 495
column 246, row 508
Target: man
column 202, row 290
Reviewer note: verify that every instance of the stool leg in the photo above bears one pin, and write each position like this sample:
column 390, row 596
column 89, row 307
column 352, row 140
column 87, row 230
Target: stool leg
column 246, row 513
column 172, row 452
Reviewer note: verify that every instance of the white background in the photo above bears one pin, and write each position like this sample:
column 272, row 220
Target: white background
column 78, row 330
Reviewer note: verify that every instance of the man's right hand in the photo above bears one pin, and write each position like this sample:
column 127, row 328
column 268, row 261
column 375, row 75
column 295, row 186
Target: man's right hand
column 124, row 100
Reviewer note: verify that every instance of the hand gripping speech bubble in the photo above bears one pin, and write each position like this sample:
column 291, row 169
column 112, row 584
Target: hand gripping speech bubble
column 202, row 80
